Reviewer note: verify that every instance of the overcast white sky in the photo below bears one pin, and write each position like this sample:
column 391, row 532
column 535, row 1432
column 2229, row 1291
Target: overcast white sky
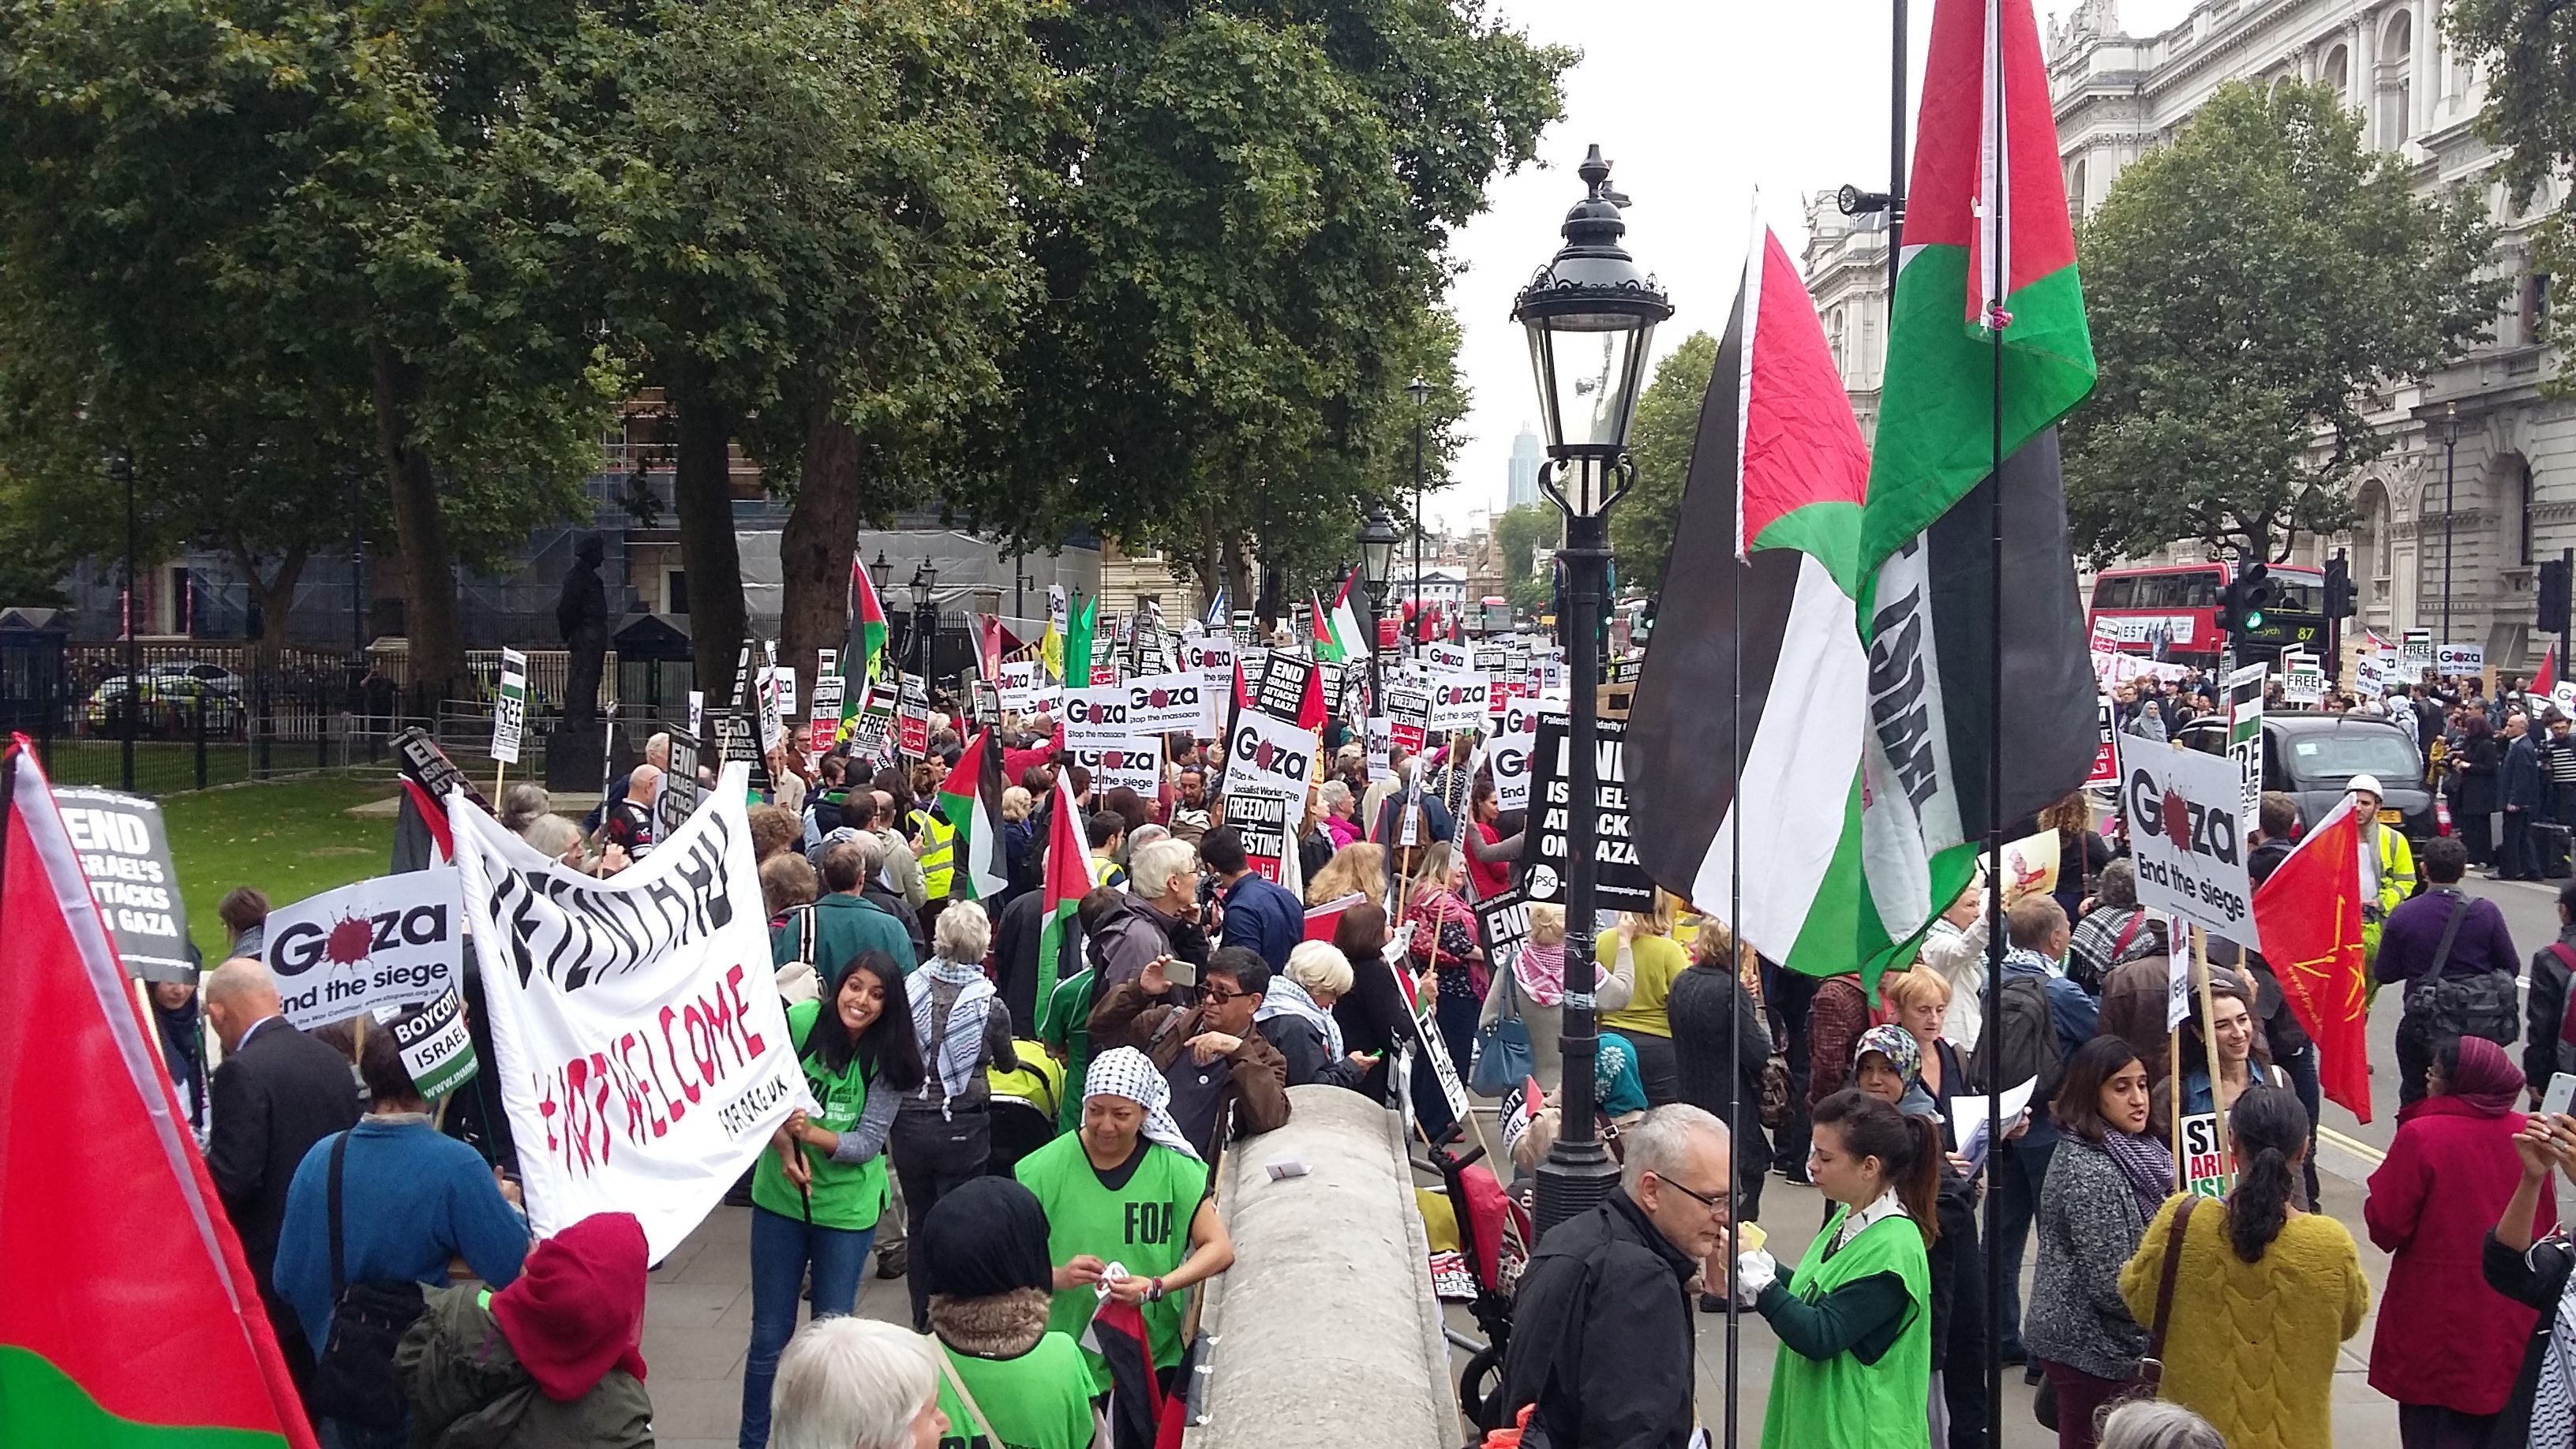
column 1696, row 103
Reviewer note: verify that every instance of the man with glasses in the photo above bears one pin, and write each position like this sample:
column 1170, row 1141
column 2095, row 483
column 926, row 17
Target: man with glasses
column 1602, row 1329
column 1207, row 1050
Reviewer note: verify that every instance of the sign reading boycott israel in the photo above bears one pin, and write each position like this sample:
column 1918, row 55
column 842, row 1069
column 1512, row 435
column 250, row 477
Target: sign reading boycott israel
column 637, row 1035
column 2183, row 809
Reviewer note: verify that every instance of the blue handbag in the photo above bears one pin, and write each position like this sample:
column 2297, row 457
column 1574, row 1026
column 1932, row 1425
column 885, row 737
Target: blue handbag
column 1503, row 1059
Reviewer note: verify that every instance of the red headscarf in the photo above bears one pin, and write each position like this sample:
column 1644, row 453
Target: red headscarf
column 577, row 1308
column 2487, row 1079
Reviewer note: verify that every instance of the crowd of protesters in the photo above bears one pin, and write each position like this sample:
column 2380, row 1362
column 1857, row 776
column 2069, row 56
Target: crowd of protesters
column 998, row 1151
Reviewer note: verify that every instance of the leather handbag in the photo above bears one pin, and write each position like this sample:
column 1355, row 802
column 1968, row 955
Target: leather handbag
column 1503, row 1057
column 353, row 1376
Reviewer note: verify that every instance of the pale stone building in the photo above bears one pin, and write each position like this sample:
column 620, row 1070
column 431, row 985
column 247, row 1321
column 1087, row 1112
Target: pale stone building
column 1845, row 265
column 2514, row 466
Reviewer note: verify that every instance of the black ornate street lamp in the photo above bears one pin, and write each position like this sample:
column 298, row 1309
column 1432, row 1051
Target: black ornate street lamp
column 1591, row 315
column 925, row 583
column 1377, row 555
column 881, row 574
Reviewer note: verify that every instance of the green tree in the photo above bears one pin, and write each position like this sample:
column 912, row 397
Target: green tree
column 1520, row 533
column 1667, row 425
column 306, row 212
column 2527, row 49
column 2250, row 286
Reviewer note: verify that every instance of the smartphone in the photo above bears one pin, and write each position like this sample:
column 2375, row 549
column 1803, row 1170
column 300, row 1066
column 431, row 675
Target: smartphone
column 2561, row 1094
column 1180, row 972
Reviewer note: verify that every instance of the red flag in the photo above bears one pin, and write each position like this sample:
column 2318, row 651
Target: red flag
column 2547, row 679
column 98, row 1288
column 2308, row 913
column 1322, row 921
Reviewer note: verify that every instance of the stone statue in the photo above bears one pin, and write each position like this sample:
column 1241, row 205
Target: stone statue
column 581, row 613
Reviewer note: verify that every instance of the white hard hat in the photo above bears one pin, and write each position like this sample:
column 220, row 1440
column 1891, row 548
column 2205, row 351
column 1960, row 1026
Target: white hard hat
column 2359, row 783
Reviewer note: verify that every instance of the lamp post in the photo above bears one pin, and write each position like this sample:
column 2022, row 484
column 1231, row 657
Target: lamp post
column 2449, row 430
column 881, row 574
column 1377, row 555
column 120, row 466
column 1421, row 392
column 1591, row 315
column 925, row 580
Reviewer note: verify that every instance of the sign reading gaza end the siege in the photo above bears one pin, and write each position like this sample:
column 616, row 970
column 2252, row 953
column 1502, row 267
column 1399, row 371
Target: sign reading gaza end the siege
column 391, row 941
column 2187, row 836
column 125, row 851
column 1620, row 882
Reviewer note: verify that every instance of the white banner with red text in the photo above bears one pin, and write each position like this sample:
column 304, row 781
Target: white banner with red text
column 637, row 1034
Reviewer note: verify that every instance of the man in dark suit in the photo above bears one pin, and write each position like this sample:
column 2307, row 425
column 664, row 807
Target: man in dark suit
column 277, row 1093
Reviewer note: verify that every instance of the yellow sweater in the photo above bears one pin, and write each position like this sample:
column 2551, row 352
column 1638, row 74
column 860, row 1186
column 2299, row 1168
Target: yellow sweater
column 2251, row 1346
column 1658, row 960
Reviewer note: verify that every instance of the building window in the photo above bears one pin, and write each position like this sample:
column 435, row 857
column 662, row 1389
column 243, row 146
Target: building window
column 2338, row 72
column 2397, row 51
column 2075, row 200
column 2534, row 306
column 2522, row 513
column 675, row 592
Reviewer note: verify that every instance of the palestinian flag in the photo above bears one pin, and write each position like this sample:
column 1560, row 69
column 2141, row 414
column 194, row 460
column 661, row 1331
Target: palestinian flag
column 1328, row 649
column 1745, row 738
column 1135, row 1408
column 127, row 1317
column 2307, row 913
column 972, row 800
column 2547, row 679
column 867, row 629
column 1068, row 880
column 1987, row 293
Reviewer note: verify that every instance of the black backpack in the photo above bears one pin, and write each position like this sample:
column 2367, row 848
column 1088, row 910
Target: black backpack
column 353, row 1375
column 2022, row 1044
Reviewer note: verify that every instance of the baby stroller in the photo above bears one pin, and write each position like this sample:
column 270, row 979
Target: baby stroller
column 1493, row 1238
column 1023, row 1106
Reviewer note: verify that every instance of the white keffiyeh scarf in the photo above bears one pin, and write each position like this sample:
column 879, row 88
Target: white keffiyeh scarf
column 957, row 1054
column 1287, row 998
column 2553, row 1399
column 1129, row 1073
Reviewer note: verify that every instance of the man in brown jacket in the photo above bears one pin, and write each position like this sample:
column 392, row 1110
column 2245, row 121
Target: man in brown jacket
column 1208, row 1051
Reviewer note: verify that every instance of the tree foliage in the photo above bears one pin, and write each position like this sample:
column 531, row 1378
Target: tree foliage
column 1519, row 534
column 1667, row 425
column 2251, row 288
column 2527, row 49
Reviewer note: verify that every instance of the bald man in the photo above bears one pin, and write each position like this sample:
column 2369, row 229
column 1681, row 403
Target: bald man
column 277, row 1093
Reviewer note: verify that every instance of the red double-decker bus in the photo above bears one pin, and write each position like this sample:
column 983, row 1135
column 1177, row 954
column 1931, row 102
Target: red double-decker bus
column 2170, row 611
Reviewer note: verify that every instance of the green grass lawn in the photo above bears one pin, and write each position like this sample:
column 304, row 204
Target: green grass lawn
column 289, row 838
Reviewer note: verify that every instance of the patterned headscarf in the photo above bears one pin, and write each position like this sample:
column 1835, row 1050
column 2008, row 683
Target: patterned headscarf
column 1129, row 1073
column 1896, row 1044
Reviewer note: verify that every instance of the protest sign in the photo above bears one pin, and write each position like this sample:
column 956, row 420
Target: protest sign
column 2106, row 755
column 1017, row 683
column 680, row 790
column 641, row 1049
column 1408, row 717
column 1165, row 703
column 510, row 707
column 2245, row 691
column 1211, row 658
column 1459, row 700
column 1104, row 658
column 767, row 709
column 733, row 738
column 1621, row 883
column 984, row 702
column 2187, row 836
column 2303, row 680
column 124, row 850
column 391, row 941
column 1269, row 756
column 2370, row 675
column 1096, row 718
column 1263, row 822
column 1133, row 761
column 2207, row 1166
column 830, row 688
column 872, row 734
column 1449, row 658
column 1502, row 922
column 2461, row 659
column 2414, row 654
column 435, row 1046
column 697, row 712
column 1509, row 755
column 1380, row 739
column 1282, row 690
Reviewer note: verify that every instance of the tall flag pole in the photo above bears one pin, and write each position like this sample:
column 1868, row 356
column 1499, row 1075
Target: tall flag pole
column 97, row 1288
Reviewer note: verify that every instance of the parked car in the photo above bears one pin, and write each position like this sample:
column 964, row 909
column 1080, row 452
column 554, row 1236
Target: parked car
column 2311, row 756
column 166, row 703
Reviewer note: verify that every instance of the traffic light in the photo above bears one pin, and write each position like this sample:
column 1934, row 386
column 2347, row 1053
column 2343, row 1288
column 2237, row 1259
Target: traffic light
column 2240, row 603
column 2554, row 584
column 2340, row 603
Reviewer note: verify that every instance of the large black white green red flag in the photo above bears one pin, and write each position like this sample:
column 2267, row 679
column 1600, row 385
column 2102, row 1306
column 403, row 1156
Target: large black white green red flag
column 1987, row 349
column 1749, row 713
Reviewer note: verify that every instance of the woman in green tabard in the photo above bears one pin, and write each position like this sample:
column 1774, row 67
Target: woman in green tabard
column 816, row 1199
column 1855, row 1318
column 983, row 1248
column 1126, row 1191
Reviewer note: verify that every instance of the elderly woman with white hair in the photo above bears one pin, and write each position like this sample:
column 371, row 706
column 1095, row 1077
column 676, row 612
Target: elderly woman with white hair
column 855, row 1383
column 1127, row 1189
column 1296, row 1015
column 944, row 1132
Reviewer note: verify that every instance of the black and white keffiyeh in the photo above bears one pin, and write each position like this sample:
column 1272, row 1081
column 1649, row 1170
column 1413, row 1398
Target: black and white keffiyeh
column 1129, row 1073
column 960, row 1049
column 1287, row 998
column 2553, row 1398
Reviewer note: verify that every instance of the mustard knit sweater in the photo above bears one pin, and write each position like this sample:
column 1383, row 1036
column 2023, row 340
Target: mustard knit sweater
column 2251, row 1346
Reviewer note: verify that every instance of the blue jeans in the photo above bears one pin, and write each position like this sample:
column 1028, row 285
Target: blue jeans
column 781, row 1247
